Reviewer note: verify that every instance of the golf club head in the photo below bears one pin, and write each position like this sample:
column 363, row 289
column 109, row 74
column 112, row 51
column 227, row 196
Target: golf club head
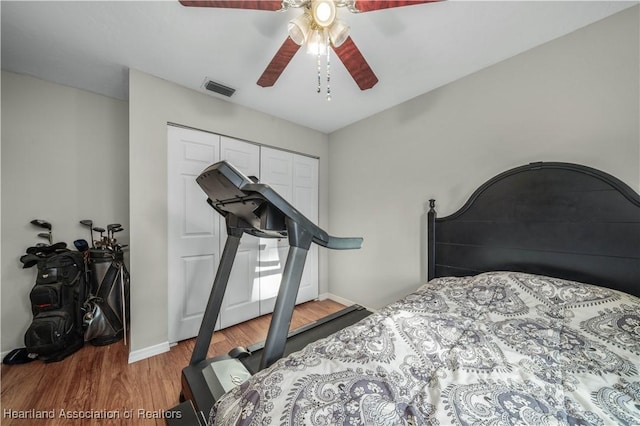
column 41, row 223
column 98, row 229
column 114, row 230
column 81, row 245
column 44, row 235
column 89, row 223
column 113, row 226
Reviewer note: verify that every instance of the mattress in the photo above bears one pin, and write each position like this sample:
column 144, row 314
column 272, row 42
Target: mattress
column 498, row 348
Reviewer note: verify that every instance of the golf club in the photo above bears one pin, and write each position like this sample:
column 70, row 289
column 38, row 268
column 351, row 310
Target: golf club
column 110, row 229
column 41, row 223
column 114, row 243
column 46, row 235
column 100, row 242
column 89, row 223
column 46, row 225
column 81, row 245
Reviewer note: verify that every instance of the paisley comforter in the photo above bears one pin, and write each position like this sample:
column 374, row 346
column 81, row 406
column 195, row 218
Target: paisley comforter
column 499, row 348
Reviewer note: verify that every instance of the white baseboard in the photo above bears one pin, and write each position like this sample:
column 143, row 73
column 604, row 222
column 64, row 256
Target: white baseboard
column 134, row 356
column 335, row 298
column 148, row 352
column 341, row 300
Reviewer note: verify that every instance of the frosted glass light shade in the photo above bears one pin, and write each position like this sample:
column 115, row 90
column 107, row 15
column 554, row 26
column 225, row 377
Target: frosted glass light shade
column 299, row 28
column 317, row 42
column 338, row 32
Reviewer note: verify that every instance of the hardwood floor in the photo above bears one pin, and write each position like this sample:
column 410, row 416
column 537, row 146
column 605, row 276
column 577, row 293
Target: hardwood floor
column 98, row 381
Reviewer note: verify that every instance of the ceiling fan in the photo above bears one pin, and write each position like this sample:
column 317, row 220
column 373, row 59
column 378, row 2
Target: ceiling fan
column 318, row 29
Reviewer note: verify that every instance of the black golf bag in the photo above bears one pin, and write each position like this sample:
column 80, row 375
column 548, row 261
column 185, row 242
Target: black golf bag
column 56, row 330
column 106, row 310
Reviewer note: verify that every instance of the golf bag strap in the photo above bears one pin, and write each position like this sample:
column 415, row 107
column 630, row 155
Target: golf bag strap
column 109, row 314
column 103, row 294
column 107, row 277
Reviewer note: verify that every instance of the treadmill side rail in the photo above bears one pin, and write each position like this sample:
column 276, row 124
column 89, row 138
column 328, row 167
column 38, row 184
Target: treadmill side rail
column 217, row 294
column 283, row 311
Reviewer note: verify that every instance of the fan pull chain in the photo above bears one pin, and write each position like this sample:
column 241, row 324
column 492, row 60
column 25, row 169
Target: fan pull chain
column 318, row 68
column 328, row 69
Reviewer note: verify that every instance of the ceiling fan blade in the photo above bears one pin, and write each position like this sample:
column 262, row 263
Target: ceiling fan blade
column 355, row 63
column 235, row 4
column 369, row 5
column 278, row 63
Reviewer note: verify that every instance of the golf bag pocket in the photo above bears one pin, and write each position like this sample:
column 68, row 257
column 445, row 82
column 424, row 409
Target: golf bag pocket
column 49, row 332
column 101, row 324
column 47, row 276
column 66, row 267
column 46, row 297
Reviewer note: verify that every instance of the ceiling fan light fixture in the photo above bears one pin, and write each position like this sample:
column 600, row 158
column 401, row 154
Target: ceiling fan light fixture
column 299, row 28
column 338, row 32
column 317, row 42
column 323, row 12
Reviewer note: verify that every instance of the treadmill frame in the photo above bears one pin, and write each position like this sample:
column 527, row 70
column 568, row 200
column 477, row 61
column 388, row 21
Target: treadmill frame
column 278, row 219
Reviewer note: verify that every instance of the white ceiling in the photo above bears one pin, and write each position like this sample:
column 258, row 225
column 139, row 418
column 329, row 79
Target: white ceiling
column 415, row 49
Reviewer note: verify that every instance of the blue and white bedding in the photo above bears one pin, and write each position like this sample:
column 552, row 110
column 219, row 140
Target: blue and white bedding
column 499, row 348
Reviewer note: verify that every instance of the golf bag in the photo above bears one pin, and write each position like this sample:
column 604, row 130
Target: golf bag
column 106, row 310
column 56, row 299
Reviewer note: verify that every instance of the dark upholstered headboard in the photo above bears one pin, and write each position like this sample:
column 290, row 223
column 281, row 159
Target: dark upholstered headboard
column 556, row 219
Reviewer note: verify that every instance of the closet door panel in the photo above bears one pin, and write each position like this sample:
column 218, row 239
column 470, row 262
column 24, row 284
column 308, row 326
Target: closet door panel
column 277, row 172
column 243, row 155
column 242, row 299
column 192, row 230
column 305, row 198
column 295, row 177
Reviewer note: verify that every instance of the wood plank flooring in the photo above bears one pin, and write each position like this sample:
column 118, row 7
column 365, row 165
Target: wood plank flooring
column 98, row 381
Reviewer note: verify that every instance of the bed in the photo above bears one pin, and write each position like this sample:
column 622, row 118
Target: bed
column 531, row 316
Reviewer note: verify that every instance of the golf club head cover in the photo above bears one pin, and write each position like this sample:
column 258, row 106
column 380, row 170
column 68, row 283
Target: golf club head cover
column 81, row 245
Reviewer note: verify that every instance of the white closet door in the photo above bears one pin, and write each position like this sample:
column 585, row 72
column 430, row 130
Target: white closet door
column 192, row 231
column 196, row 233
column 277, row 172
column 305, row 199
column 242, row 298
column 295, row 177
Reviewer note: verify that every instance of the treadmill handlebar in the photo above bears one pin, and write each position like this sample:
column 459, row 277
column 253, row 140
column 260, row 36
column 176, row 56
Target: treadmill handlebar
column 339, row 243
column 260, row 207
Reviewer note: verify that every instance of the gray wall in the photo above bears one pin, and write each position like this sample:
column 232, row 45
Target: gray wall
column 152, row 104
column 64, row 158
column 574, row 99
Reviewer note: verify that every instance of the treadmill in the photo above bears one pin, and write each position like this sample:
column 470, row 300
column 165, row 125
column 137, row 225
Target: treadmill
column 254, row 208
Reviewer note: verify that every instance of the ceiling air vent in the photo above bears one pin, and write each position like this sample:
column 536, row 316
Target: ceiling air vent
column 218, row 88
